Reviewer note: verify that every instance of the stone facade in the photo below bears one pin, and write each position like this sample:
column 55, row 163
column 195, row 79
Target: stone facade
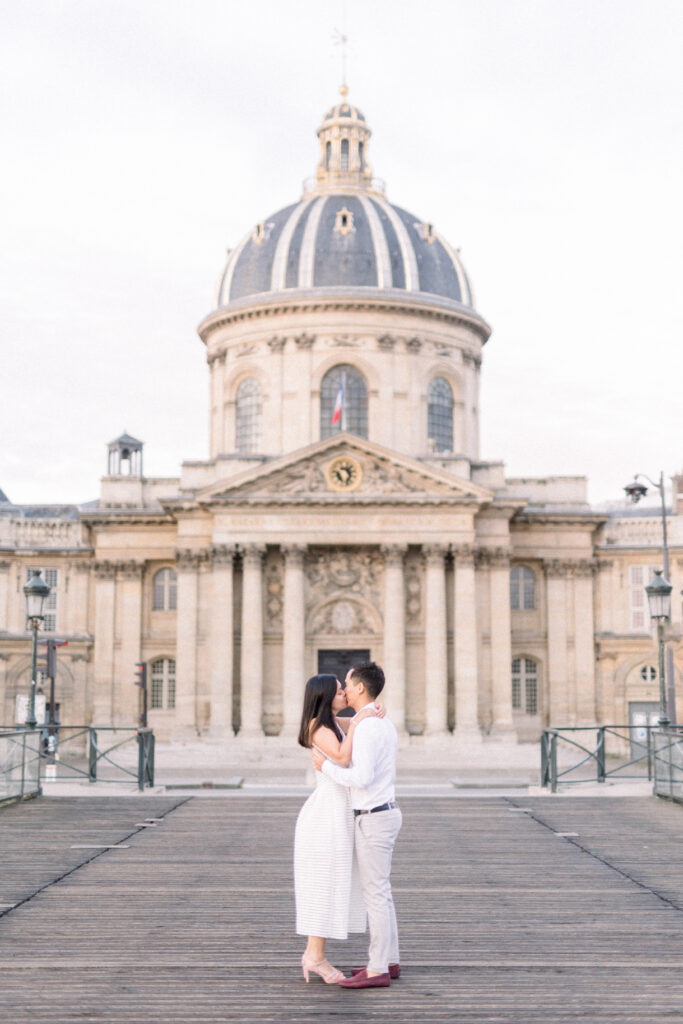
column 497, row 606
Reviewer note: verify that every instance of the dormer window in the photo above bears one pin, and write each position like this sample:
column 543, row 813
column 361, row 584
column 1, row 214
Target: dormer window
column 427, row 232
column 344, row 222
column 261, row 232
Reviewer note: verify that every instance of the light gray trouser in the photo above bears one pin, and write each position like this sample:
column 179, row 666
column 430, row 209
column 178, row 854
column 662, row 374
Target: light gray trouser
column 375, row 838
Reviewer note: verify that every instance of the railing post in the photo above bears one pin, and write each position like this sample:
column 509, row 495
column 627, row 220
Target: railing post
column 544, row 758
column 92, row 755
column 553, row 763
column 150, row 759
column 600, row 755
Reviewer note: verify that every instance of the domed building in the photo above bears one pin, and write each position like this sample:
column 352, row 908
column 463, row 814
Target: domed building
column 344, row 511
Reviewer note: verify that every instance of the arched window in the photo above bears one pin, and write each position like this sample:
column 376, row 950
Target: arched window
column 361, row 156
column 343, row 402
column 162, row 690
column 249, row 409
column 525, row 685
column 165, row 591
column 522, row 589
column 440, row 415
column 344, row 154
column 328, row 155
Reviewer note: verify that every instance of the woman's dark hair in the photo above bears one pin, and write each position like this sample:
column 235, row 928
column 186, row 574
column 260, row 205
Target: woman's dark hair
column 318, row 696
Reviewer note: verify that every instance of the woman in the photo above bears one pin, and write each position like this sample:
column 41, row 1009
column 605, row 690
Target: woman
column 329, row 904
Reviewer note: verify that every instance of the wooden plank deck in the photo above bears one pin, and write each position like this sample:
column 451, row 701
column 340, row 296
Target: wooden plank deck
column 501, row 919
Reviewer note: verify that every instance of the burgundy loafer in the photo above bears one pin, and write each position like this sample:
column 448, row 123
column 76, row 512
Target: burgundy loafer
column 362, row 980
column 394, row 971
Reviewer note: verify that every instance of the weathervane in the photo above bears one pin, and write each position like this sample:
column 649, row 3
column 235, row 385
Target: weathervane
column 341, row 39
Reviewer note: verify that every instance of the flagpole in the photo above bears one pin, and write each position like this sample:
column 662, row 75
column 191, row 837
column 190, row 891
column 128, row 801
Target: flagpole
column 343, row 408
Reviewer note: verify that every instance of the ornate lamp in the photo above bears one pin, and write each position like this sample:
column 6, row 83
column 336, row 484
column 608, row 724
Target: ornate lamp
column 37, row 592
column 659, row 598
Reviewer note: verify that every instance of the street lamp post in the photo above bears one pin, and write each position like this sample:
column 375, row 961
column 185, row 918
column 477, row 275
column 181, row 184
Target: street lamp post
column 635, row 491
column 659, row 598
column 37, row 591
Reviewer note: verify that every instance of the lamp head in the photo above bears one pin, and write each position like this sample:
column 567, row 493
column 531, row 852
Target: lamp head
column 635, row 491
column 37, row 592
column 659, row 597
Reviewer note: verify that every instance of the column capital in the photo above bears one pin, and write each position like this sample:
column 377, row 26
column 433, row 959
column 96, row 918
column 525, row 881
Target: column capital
column 394, row 554
column 188, row 559
column 434, row 554
column 222, row 554
column 130, row 570
column 493, row 558
column 294, row 554
column 558, row 568
column 105, row 570
column 253, row 554
column 463, row 554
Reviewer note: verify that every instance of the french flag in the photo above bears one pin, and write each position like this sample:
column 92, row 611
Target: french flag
column 339, row 404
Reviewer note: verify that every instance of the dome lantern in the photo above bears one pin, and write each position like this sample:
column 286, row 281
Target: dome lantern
column 344, row 137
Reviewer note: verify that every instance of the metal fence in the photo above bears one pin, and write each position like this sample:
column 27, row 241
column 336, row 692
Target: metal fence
column 19, row 763
column 578, row 755
column 668, row 762
column 30, row 757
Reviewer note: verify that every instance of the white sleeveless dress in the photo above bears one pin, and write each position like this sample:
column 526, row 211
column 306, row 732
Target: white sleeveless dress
column 329, row 902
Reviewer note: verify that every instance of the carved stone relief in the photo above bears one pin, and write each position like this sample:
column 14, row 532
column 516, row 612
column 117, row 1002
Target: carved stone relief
column 342, row 617
column 341, row 586
column 273, row 593
column 413, row 591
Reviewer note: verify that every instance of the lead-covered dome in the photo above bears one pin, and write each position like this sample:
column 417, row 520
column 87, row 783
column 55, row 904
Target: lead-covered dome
column 344, row 234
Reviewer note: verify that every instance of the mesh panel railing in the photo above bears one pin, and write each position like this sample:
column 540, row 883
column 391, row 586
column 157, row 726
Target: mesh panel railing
column 668, row 764
column 19, row 763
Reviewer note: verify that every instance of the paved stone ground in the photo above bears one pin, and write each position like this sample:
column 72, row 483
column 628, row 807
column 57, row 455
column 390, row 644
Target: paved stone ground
column 189, row 920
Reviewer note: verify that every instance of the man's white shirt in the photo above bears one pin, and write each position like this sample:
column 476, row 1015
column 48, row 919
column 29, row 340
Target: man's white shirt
column 372, row 775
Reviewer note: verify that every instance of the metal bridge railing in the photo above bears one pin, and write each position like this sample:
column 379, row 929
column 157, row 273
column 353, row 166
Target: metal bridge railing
column 668, row 764
column 19, row 763
column 68, row 752
column 593, row 765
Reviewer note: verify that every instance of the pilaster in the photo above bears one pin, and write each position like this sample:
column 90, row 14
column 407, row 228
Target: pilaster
column 222, row 585
column 187, row 567
column 436, row 669
column 251, row 653
column 465, row 641
column 105, row 623
column 502, row 726
column 394, row 634
column 293, row 640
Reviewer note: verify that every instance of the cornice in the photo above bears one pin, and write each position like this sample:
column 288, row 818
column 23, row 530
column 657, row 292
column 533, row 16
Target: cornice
column 410, row 303
column 528, row 517
column 105, row 516
column 334, row 500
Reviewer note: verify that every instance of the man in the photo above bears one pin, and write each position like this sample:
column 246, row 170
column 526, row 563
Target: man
column 371, row 779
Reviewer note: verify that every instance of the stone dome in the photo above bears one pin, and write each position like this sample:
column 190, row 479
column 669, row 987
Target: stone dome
column 344, row 234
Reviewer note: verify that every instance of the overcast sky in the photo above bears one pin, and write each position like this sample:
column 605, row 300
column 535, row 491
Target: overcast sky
column 141, row 138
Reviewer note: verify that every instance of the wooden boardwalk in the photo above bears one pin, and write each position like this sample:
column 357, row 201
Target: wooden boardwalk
column 190, row 920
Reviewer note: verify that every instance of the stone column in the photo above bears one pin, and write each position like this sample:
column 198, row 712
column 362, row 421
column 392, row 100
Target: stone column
column 502, row 727
column 7, row 718
column 293, row 640
column 129, row 622
column 556, row 586
column 584, row 643
column 187, row 566
column 395, row 634
column 436, row 668
column 251, row 659
column 105, row 621
column 465, row 638
column 222, row 627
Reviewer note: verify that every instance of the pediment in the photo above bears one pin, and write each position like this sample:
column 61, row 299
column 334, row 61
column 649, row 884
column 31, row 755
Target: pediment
column 347, row 469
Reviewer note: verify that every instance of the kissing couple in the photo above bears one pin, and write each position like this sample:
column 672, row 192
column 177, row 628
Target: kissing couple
column 346, row 830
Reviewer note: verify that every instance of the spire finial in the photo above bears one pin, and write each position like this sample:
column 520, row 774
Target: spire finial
column 341, row 39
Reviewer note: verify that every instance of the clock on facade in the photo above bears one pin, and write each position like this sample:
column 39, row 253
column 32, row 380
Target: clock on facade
column 344, row 473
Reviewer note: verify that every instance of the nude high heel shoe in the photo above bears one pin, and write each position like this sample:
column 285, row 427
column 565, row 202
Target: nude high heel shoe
column 329, row 974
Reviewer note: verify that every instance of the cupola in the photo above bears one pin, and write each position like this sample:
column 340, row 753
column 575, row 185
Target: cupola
column 344, row 137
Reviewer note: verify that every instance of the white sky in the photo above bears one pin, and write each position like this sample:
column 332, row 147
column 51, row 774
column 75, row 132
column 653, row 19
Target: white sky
column 141, row 138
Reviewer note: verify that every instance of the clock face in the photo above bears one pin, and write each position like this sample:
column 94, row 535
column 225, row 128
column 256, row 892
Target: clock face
column 344, row 473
